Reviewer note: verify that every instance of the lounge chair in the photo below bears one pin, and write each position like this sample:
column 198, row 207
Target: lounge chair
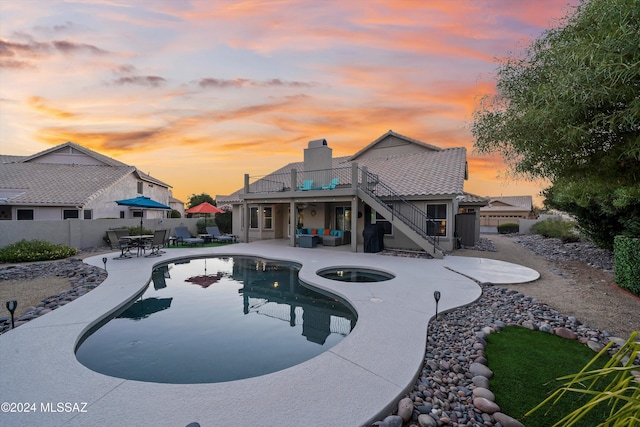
column 157, row 243
column 216, row 235
column 307, row 185
column 184, row 236
column 124, row 245
column 332, row 185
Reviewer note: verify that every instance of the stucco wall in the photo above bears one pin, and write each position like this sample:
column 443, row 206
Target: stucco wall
column 105, row 206
column 78, row 233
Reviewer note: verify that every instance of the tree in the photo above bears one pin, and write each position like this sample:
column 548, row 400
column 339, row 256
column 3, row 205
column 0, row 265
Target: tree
column 568, row 111
column 196, row 199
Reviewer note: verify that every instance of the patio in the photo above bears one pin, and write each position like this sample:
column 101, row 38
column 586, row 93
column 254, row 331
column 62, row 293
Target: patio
column 40, row 366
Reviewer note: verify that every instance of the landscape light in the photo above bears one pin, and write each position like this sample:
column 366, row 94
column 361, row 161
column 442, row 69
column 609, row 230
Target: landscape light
column 11, row 306
column 436, row 296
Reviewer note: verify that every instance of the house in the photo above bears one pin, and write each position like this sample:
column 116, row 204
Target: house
column 70, row 181
column 506, row 209
column 407, row 190
column 177, row 205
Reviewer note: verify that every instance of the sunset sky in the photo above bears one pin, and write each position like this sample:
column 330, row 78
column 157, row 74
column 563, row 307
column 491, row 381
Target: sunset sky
column 198, row 93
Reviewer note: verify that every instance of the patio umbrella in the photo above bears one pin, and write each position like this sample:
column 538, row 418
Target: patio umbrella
column 205, row 208
column 205, row 280
column 142, row 202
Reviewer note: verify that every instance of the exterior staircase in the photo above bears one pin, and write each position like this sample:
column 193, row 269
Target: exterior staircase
column 401, row 213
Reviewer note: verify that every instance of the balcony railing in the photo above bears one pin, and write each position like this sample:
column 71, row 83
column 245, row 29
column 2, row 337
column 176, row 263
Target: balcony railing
column 279, row 182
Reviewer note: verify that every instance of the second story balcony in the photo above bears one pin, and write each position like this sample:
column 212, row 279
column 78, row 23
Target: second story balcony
column 316, row 183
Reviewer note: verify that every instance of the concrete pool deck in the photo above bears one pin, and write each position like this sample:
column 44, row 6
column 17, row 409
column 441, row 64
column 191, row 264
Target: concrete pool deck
column 354, row 383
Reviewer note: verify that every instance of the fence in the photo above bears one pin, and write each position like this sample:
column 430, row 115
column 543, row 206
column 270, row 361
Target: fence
column 81, row 234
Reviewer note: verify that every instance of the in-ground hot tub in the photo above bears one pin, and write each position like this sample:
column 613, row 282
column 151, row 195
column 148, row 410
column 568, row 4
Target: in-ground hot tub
column 355, row 274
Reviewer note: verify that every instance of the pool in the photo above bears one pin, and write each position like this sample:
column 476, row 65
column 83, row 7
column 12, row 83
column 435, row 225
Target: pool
column 355, row 274
column 208, row 320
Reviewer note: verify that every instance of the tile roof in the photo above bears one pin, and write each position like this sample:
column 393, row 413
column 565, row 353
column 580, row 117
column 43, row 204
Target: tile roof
column 57, row 184
column 422, row 174
column 94, row 154
column 396, row 135
column 26, row 181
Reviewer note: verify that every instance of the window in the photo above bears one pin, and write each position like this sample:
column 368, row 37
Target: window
column 70, row 214
column 343, row 218
column 122, row 214
column 267, row 218
column 25, row 214
column 140, row 187
column 88, row 214
column 386, row 225
column 137, row 214
column 253, row 217
column 438, row 215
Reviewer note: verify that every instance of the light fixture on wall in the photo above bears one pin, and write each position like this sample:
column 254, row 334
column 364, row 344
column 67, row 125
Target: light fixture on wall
column 313, row 212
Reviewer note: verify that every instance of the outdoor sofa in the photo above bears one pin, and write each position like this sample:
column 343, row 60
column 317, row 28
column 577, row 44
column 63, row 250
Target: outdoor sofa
column 327, row 236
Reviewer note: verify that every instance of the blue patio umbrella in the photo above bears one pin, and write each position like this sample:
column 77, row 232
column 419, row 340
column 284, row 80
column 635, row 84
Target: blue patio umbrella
column 142, row 202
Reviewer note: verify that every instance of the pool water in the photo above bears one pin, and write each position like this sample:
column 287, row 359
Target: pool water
column 216, row 320
column 355, row 274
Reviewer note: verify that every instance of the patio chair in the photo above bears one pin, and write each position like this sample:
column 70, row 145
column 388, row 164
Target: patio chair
column 307, row 185
column 216, row 235
column 157, row 243
column 332, row 185
column 184, row 236
column 124, row 245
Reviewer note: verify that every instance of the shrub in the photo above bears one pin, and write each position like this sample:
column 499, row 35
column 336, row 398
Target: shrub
column 135, row 230
column 510, row 227
column 627, row 263
column 557, row 228
column 35, row 250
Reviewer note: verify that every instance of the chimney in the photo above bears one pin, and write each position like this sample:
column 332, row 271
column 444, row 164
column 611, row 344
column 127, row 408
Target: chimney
column 318, row 162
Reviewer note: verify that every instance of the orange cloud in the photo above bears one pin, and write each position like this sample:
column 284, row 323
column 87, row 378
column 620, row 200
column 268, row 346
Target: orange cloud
column 39, row 105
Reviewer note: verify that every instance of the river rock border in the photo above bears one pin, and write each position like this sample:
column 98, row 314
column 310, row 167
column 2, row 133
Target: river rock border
column 82, row 278
column 452, row 388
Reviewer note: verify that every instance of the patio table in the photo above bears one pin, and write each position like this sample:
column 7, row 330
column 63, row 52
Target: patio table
column 139, row 240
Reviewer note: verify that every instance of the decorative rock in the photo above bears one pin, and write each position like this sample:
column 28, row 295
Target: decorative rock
column 425, row 409
column 566, row 333
column 480, row 369
column 506, row 420
column 595, row 346
column 480, row 381
column 390, row 421
column 485, row 405
column 427, row 421
column 405, row 409
column 483, row 392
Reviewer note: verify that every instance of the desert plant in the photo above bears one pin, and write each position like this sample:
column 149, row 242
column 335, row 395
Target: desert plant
column 35, row 250
column 557, row 228
column 621, row 392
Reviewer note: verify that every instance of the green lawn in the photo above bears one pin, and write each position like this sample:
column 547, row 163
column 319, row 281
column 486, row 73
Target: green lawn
column 526, row 363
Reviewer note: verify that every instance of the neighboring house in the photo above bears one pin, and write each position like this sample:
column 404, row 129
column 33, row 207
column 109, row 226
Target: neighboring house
column 506, row 209
column 177, row 205
column 70, row 181
column 410, row 189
